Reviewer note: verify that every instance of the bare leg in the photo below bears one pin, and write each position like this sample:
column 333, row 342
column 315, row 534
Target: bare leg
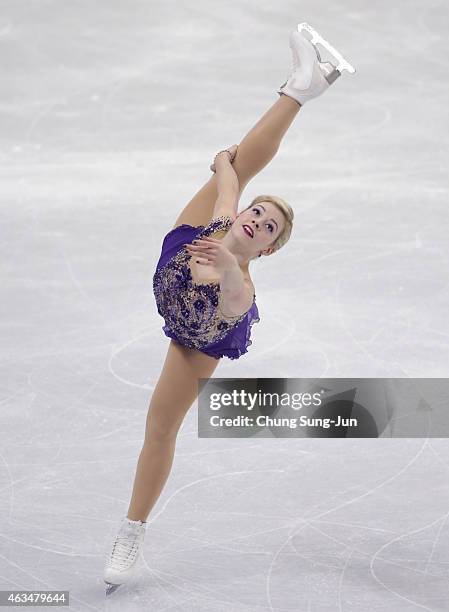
column 173, row 395
column 255, row 151
column 262, row 142
column 177, row 387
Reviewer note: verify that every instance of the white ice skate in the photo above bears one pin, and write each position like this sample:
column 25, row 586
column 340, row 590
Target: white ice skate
column 126, row 551
column 310, row 76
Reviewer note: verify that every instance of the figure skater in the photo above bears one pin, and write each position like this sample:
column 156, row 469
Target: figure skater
column 203, row 287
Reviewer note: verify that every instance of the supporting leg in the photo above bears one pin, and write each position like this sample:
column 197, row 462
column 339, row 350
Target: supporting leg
column 153, row 468
column 173, row 395
column 255, row 151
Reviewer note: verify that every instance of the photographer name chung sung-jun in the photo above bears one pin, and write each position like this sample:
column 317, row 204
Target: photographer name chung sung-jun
column 292, row 423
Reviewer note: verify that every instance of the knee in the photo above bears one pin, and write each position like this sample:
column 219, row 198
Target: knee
column 162, row 431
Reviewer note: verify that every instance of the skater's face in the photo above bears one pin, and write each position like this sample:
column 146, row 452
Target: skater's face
column 266, row 222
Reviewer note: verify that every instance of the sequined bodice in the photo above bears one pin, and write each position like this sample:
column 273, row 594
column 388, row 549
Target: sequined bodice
column 192, row 310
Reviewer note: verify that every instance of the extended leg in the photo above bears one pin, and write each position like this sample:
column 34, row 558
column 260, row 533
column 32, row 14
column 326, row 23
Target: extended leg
column 175, row 392
column 262, row 142
column 255, row 151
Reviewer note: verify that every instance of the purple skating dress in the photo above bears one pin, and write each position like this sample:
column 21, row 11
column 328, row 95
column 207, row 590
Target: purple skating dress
column 191, row 311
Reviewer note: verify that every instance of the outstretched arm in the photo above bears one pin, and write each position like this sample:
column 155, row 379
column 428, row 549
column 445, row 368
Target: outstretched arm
column 227, row 187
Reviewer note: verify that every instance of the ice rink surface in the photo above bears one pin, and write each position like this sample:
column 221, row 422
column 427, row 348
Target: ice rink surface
column 111, row 113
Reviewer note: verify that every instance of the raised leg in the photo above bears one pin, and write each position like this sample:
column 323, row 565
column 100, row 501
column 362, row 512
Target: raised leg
column 255, row 151
column 174, row 394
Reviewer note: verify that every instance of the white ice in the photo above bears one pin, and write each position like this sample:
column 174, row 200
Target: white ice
column 110, row 115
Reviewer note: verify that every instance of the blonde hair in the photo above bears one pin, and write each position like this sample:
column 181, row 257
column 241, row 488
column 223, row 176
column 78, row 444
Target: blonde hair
column 288, row 213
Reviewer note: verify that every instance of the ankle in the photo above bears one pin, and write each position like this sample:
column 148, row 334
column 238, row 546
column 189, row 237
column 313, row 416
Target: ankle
column 290, row 98
column 134, row 521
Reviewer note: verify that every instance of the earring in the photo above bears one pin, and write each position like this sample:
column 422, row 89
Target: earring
column 260, row 254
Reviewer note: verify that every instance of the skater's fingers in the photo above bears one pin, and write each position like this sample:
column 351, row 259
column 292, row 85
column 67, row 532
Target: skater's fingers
column 201, row 248
column 233, row 151
column 203, row 262
column 207, row 239
column 199, row 243
column 195, row 252
column 205, row 244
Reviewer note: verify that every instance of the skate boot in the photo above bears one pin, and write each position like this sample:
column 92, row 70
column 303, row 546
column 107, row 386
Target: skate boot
column 310, row 76
column 124, row 555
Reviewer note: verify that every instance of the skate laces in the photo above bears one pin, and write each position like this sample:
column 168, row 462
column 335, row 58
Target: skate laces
column 124, row 550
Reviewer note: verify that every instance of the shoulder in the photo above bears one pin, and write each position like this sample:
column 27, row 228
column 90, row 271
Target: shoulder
column 218, row 224
column 223, row 218
column 224, row 214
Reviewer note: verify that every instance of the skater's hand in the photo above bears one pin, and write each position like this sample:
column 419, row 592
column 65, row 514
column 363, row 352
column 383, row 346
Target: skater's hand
column 212, row 252
column 233, row 152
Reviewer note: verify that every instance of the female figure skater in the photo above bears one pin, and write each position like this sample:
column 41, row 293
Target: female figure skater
column 204, row 291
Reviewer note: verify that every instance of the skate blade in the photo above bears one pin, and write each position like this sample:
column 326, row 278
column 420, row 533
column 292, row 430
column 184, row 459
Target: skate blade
column 111, row 588
column 317, row 38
